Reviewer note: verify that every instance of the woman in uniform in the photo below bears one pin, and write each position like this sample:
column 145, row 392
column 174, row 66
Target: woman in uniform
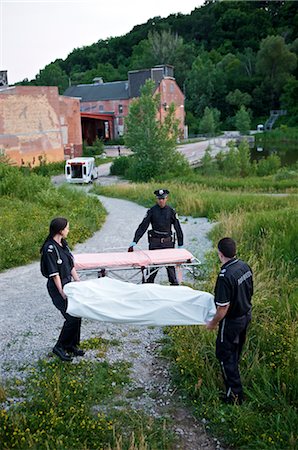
column 57, row 266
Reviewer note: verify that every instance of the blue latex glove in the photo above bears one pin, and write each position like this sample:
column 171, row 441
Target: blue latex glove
column 131, row 246
column 180, row 246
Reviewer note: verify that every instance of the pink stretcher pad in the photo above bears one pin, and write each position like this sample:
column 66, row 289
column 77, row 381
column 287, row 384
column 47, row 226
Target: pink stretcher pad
column 143, row 258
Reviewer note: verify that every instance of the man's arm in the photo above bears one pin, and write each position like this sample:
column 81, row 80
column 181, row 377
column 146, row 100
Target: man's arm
column 143, row 227
column 178, row 229
column 220, row 314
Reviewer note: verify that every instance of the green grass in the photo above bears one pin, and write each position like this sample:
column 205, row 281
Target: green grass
column 194, row 200
column 265, row 228
column 74, row 406
column 270, row 183
column 28, row 203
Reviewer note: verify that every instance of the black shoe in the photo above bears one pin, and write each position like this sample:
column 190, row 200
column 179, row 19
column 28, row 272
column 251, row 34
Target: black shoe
column 76, row 351
column 60, row 352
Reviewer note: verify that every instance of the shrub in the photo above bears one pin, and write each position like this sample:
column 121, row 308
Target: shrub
column 92, row 150
column 268, row 166
column 120, row 165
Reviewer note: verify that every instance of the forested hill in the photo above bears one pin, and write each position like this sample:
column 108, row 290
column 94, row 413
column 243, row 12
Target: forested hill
column 225, row 54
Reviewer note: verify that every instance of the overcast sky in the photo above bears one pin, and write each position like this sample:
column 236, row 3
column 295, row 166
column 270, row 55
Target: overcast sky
column 35, row 33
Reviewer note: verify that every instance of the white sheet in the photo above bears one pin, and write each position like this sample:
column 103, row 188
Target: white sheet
column 109, row 300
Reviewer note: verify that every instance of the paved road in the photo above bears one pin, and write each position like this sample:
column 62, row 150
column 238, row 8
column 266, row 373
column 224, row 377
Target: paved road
column 193, row 151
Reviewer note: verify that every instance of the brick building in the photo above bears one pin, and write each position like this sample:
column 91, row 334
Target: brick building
column 104, row 106
column 36, row 122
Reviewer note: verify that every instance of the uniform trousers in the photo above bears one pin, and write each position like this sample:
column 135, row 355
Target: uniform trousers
column 71, row 330
column 152, row 272
column 229, row 343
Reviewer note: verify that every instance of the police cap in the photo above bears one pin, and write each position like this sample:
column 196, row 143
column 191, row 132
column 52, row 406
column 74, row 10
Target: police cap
column 161, row 193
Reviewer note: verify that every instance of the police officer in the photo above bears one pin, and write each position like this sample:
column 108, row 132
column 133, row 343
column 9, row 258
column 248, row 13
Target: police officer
column 161, row 217
column 233, row 293
column 58, row 266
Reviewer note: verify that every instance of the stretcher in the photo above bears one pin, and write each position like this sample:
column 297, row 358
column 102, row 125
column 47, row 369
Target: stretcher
column 136, row 266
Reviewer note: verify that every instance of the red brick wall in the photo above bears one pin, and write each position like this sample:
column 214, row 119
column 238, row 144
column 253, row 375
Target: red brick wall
column 70, row 119
column 30, row 124
column 170, row 93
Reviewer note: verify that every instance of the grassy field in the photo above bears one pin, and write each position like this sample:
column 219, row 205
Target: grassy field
column 28, row 202
column 78, row 406
column 265, row 228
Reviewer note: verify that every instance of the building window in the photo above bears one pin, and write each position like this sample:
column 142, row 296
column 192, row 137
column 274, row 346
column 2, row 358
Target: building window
column 172, row 88
column 100, row 108
column 120, row 109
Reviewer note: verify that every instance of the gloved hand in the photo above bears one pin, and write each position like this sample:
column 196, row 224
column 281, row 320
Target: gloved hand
column 180, row 246
column 130, row 248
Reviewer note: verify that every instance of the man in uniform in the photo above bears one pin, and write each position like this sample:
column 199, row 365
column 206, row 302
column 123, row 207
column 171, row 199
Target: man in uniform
column 161, row 217
column 233, row 293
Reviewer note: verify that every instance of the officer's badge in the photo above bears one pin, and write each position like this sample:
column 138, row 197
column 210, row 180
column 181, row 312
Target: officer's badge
column 160, row 191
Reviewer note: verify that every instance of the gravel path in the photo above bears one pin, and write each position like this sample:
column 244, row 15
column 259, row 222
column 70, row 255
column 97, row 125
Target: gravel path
column 30, row 324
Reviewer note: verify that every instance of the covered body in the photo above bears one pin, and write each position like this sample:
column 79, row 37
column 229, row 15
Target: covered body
column 110, row 300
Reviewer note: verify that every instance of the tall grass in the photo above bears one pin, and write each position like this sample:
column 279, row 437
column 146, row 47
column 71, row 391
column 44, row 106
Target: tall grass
column 28, row 202
column 194, row 200
column 268, row 419
column 265, row 228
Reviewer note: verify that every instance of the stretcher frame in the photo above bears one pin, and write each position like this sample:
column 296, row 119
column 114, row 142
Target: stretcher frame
column 140, row 274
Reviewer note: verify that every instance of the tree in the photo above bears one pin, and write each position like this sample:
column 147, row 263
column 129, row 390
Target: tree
column 210, row 121
column 242, row 120
column 53, row 75
column 275, row 62
column 152, row 142
column 238, row 98
column 244, row 159
column 289, row 100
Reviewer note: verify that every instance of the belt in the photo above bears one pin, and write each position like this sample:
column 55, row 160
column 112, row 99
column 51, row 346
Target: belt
column 161, row 240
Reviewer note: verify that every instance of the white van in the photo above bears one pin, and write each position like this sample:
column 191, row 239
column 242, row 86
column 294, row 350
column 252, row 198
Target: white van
column 80, row 170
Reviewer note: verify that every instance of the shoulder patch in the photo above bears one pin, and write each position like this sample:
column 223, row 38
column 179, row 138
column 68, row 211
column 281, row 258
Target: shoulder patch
column 177, row 217
column 50, row 250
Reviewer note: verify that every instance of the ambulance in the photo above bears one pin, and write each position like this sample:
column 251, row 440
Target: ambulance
column 80, row 170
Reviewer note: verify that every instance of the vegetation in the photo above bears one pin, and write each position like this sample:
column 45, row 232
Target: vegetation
column 96, row 149
column 28, row 202
column 71, row 406
column 225, row 54
column 152, row 141
column 265, row 230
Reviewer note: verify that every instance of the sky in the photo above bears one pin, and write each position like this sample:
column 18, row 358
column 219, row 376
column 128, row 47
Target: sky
column 35, row 33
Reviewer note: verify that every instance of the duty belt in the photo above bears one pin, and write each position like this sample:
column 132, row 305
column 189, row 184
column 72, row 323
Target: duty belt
column 161, row 239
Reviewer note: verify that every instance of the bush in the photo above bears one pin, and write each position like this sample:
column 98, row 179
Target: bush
column 93, row 150
column 268, row 166
column 208, row 164
column 47, row 170
column 120, row 166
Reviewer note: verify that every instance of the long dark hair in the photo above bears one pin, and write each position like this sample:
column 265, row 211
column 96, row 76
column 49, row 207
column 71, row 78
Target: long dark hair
column 58, row 224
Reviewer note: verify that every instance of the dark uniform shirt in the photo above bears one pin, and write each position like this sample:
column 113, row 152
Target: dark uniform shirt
column 56, row 260
column 161, row 220
column 234, row 287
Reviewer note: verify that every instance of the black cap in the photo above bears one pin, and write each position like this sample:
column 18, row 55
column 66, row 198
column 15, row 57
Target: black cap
column 161, row 193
